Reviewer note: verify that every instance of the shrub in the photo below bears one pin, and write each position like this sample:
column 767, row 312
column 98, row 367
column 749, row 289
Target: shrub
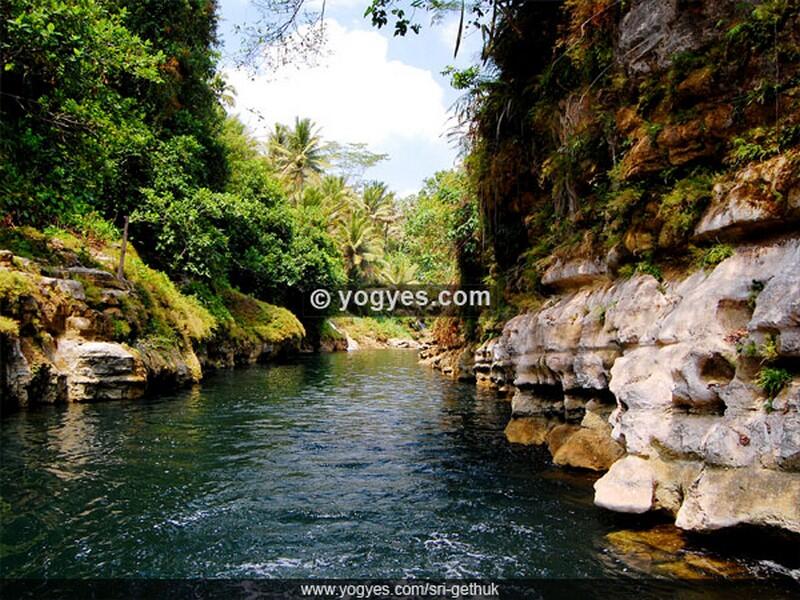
column 329, row 332
column 94, row 295
column 646, row 267
column 8, row 326
column 221, row 237
column 772, row 381
column 25, row 241
column 748, row 349
column 711, row 257
column 619, row 205
column 681, row 208
column 93, row 226
column 769, row 349
column 13, row 285
column 122, row 330
column 378, row 328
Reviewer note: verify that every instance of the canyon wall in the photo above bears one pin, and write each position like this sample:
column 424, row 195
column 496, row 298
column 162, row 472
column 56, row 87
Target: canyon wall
column 661, row 383
column 639, row 180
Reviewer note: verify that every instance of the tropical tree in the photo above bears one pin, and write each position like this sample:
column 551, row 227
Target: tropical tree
column 440, row 224
column 299, row 154
column 70, row 128
column 378, row 202
column 332, row 196
column 361, row 246
column 398, row 270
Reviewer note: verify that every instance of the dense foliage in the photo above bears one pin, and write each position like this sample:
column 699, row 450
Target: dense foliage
column 69, row 127
column 579, row 145
column 116, row 109
column 441, row 227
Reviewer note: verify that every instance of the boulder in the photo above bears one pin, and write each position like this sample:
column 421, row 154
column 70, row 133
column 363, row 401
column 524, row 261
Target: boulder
column 98, row 277
column 171, row 366
column 78, row 326
column 69, row 287
column 559, row 435
column 663, row 551
column 99, row 371
column 627, row 487
column 727, row 497
column 529, row 431
column 588, row 449
column 402, row 343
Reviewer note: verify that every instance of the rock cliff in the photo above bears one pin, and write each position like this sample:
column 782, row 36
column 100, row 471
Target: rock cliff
column 638, row 170
column 663, row 383
column 76, row 333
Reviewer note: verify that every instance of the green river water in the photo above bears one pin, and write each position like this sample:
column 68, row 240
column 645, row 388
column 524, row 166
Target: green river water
column 343, row 465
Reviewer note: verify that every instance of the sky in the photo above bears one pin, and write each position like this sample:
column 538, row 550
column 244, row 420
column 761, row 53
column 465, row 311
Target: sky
column 369, row 86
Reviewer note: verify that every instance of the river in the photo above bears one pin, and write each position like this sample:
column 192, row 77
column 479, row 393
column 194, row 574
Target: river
column 346, row 465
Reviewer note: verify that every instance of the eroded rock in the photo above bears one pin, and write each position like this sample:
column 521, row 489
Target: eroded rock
column 653, row 32
column 627, row 487
column 100, row 371
column 588, row 449
column 575, row 272
column 529, row 431
column 760, row 196
column 666, row 356
column 726, row 497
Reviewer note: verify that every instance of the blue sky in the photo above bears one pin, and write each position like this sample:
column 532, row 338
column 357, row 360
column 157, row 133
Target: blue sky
column 369, row 87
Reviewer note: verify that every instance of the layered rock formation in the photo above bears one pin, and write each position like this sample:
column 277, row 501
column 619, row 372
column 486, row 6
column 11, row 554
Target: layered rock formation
column 72, row 337
column 650, row 210
column 665, row 374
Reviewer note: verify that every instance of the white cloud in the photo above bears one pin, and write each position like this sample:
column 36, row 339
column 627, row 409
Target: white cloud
column 448, row 31
column 356, row 94
column 332, row 4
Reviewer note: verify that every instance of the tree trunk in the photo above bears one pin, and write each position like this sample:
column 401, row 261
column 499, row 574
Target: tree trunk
column 121, row 269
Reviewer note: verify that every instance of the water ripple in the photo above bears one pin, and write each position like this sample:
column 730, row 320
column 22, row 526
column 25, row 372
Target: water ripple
column 350, row 465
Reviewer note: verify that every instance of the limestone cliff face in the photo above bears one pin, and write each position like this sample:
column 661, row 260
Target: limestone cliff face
column 663, row 375
column 679, row 376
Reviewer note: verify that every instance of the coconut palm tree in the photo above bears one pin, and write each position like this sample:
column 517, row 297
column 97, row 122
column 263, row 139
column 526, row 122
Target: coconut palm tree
column 360, row 244
column 331, row 197
column 299, row 154
column 378, row 201
column 338, row 197
column 398, row 270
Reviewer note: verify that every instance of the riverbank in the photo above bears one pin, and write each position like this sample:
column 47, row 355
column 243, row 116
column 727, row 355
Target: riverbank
column 73, row 331
column 351, row 333
column 665, row 384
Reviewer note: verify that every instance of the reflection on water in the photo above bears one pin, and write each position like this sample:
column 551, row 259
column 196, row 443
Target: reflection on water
column 347, row 465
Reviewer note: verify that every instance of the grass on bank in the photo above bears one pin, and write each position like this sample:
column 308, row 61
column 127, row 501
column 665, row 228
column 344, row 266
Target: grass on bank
column 158, row 312
column 255, row 320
